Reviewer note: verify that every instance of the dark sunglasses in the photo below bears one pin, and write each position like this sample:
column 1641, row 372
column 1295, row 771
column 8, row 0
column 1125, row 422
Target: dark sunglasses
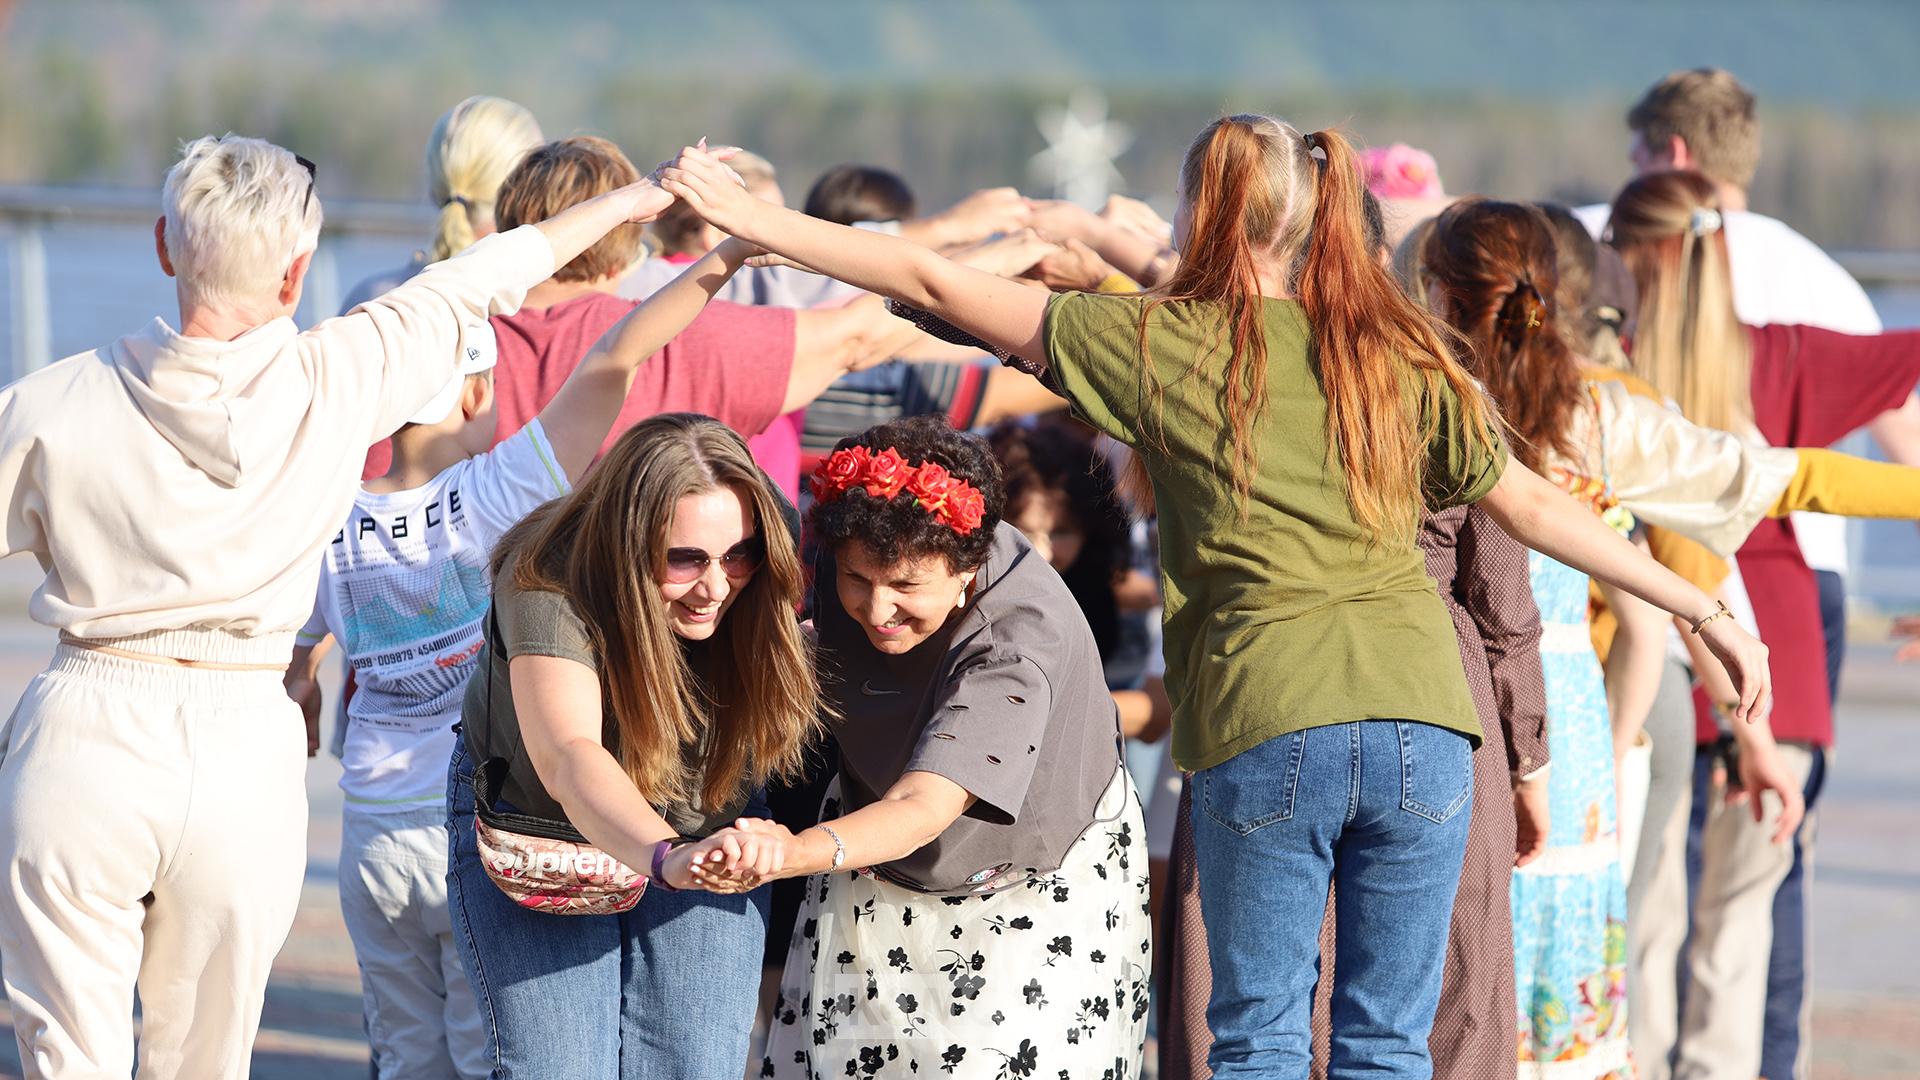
column 740, row 560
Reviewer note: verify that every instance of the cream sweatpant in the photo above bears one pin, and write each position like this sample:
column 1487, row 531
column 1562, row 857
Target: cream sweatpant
column 423, row 1017
column 153, row 836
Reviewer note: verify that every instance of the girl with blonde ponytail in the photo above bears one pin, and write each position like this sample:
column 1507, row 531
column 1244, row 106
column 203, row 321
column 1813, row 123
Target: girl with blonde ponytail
column 1295, row 414
column 473, row 147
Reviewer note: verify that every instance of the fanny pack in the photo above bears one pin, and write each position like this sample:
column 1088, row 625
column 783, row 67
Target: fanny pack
column 545, row 865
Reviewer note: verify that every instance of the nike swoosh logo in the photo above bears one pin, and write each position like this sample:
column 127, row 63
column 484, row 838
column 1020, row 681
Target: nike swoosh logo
column 867, row 689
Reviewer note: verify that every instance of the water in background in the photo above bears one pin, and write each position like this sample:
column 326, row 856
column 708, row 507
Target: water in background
column 103, row 282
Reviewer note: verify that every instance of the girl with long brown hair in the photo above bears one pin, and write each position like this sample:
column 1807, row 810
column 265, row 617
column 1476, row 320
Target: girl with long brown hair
column 1491, row 271
column 1788, row 386
column 643, row 676
column 1295, row 414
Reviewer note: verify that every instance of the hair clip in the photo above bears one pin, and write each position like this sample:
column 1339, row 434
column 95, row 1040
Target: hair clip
column 1533, row 319
column 1705, row 220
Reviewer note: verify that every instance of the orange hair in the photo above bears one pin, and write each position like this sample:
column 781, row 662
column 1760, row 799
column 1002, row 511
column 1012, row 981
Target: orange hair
column 1255, row 192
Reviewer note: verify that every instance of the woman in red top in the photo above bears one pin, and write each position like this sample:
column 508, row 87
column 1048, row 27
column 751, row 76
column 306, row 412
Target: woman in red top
column 1791, row 386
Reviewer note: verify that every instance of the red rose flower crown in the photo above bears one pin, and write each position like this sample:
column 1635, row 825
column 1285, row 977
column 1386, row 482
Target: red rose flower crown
column 952, row 501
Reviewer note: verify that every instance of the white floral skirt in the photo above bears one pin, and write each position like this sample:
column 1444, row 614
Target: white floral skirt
column 1048, row 978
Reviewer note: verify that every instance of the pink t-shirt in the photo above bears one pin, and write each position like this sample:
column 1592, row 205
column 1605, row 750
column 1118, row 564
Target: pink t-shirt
column 731, row 363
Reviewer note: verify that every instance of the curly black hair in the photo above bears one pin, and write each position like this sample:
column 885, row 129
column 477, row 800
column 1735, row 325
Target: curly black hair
column 898, row 528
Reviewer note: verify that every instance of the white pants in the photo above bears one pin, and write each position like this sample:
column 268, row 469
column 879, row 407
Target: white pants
column 422, row 1016
column 153, row 835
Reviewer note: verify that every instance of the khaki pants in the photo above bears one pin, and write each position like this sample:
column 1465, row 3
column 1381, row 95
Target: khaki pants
column 1741, row 869
column 153, row 835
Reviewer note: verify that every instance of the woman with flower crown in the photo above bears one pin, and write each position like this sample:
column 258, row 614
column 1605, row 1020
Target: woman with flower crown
column 979, row 899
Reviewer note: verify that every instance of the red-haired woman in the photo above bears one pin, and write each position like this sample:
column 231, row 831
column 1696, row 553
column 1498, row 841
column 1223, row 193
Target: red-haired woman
column 1295, row 413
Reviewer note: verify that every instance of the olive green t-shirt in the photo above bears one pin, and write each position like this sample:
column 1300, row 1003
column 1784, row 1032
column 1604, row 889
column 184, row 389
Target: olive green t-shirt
column 537, row 623
column 1284, row 618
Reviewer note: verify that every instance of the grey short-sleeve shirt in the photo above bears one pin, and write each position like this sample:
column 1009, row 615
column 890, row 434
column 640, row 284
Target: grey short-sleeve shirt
column 1008, row 701
column 536, row 623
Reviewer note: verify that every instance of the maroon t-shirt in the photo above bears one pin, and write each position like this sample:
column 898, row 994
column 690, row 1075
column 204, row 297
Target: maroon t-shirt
column 1811, row 388
column 731, row 363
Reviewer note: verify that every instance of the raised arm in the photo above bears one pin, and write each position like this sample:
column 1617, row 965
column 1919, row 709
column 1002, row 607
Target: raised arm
column 1549, row 521
column 1003, row 313
column 583, row 411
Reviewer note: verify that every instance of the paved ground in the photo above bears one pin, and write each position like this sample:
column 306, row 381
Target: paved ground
column 1866, row 916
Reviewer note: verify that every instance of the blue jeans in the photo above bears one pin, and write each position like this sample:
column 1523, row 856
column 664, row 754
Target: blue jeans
column 1378, row 808
column 666, row 991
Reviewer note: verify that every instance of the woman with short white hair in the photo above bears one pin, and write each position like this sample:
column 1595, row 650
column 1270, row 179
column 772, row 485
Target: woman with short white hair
column 179, row 487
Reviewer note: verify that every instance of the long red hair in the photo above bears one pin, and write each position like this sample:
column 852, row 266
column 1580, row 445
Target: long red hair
column 1256, row 195
column 1495, row 270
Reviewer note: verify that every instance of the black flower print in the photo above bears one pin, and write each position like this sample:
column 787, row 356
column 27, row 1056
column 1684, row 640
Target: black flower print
column 908, row 1006
column 883, row 1020
column 1021, row 1062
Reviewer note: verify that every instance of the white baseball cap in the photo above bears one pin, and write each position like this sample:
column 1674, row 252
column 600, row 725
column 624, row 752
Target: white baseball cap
column 479, row 351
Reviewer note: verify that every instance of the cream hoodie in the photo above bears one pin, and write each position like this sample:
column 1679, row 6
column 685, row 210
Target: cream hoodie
column 179, row 492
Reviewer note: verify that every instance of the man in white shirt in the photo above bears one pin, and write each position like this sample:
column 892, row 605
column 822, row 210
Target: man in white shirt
column 1705, row 120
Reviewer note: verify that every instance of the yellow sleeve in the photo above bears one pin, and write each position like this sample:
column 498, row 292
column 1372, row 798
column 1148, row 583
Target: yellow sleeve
column 1834, row 483
column 1117, row 282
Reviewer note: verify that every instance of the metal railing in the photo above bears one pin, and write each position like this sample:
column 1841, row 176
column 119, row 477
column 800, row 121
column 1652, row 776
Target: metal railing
column 26, row 212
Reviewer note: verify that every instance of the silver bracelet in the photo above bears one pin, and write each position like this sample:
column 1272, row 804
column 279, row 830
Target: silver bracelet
column 839, row 848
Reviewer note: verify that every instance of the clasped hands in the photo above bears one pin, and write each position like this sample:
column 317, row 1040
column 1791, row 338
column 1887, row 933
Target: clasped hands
column 744, row 856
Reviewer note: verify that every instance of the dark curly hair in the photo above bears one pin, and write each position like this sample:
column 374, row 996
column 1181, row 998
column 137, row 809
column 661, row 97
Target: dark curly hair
column 898, row 528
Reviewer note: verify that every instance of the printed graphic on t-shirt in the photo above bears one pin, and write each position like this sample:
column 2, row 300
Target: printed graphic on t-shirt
column 405, row 590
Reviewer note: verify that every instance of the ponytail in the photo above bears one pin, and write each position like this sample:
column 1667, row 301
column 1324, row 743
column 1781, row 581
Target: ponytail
column 1496, row 264
column 1218, row 264
column 453, row 232
column 1367, row 334
column 472, row 149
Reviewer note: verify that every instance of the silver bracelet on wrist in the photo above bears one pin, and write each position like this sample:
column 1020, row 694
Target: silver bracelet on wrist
column 839, row 848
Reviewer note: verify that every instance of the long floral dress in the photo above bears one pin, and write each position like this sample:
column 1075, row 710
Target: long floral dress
column 1048, row 978
column 1570, row 905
